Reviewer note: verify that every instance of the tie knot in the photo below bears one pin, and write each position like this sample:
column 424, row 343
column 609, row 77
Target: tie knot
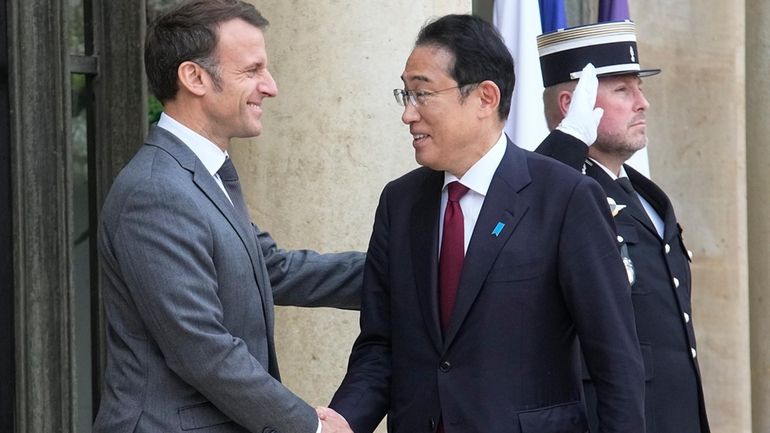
column 625, row 183
column 227, row 172
column 456, row 190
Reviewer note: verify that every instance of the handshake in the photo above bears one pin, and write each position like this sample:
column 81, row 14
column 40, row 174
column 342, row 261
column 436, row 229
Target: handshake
column 331, row 421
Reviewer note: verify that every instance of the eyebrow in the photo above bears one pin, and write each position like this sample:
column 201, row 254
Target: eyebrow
column 422, row 78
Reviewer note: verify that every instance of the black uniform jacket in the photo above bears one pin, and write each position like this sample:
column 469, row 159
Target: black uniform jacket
column 661, row 293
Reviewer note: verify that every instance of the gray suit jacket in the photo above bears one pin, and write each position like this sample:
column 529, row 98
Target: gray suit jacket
column 188, row 296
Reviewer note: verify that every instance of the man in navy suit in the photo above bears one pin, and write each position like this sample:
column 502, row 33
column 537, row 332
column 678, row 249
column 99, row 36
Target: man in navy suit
column 484, row 267
column 658, row 262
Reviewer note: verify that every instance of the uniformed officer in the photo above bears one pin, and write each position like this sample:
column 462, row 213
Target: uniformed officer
column 649, row 234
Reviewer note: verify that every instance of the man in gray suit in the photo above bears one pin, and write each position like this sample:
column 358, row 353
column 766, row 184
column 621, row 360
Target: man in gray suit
column 190, row 282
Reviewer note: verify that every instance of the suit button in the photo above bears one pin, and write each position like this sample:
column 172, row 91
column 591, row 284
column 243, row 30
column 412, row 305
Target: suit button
column 432, row 424
column 689, row 254
column 667, row 248
column 676, row 282
column 620, row 239
column 694, row 353
column 686, row 318
column 445, row 366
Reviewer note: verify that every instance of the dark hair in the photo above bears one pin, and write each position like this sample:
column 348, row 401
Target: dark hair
column 190, row 32
column 479, row 54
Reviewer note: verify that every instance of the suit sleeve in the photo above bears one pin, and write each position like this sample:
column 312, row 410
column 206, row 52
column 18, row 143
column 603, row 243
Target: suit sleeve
column 564, row 148
column 599, row 298
column 363, row 397
column 163, row 249
column 306, row 278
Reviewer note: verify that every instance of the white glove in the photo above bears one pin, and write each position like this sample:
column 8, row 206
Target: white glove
column 582, row 119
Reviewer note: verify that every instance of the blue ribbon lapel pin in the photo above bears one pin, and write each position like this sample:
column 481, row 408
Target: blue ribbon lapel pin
column 498, row 229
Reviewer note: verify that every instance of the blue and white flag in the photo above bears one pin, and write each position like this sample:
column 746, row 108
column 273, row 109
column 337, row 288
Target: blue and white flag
column 552, row 16
column 519, row 24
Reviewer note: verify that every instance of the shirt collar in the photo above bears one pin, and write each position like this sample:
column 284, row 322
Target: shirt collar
column 479, row 176
column 609, row 172
column 209, row 153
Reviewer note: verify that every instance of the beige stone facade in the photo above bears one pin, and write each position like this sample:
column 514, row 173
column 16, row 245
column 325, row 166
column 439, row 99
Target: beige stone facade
column 697, row 150
column 332, row 139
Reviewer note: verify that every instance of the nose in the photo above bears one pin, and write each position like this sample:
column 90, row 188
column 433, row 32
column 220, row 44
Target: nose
column 642, row 104
column 268, row 87
column 410, row 114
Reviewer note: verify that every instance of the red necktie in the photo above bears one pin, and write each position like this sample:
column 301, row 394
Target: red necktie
column 450, row 262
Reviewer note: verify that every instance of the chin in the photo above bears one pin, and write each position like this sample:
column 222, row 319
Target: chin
column 419, row 157
column 426, row 161
column 253, row 132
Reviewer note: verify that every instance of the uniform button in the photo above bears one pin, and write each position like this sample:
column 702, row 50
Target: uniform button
column 676, row 282
column 694, row 353
column 689, row 254
column 445, row 366
column 620, row 239
column 686, row 318
column 667, row 248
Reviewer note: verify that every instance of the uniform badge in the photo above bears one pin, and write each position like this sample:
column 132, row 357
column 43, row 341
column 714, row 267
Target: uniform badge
column 614, row 207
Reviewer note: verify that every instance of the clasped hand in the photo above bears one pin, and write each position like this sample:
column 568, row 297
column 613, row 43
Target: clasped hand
column 331, row 421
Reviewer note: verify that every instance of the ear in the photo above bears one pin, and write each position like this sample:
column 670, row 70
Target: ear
column 564, row 99
column 489, row 97
column 192, row 78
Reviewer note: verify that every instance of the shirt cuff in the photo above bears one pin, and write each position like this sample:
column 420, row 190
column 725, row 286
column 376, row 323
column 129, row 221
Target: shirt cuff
column 318, row 430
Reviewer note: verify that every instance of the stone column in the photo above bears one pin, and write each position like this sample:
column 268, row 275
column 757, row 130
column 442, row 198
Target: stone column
column 332, row 139
column 41, row 177
column 758, row 167
column 697, row 154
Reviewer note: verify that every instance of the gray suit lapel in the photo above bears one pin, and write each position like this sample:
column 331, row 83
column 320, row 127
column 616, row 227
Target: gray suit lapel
column 163, row 139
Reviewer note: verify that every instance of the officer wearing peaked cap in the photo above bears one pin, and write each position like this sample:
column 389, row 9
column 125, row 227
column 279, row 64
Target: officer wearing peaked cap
column 649, row 235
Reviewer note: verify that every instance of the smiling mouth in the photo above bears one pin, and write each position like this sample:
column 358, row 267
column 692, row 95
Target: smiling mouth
column 419, row 138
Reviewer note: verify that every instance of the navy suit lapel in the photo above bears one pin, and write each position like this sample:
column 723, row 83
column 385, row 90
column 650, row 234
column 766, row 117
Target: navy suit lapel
column 423, row 230
column 502, row 204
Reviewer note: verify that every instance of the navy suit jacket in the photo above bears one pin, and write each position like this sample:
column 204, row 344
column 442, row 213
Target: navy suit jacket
column 661, row 294
column 509, row 360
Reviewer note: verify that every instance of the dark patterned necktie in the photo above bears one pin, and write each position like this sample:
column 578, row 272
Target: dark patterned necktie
column 229, row 178
column 625, row 183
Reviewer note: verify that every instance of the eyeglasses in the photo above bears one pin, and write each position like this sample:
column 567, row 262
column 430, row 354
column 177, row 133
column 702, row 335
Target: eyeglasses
column 418, row 97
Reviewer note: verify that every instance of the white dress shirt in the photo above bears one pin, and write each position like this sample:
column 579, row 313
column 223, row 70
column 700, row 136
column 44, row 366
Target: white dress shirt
column 477, row 179
column 209, row 153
